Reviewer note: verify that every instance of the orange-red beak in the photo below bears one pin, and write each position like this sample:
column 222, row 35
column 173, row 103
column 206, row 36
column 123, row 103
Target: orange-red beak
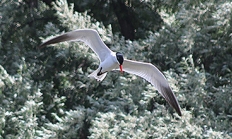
column 120, row 66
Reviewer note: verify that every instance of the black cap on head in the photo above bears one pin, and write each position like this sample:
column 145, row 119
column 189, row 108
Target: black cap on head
column 120, row 58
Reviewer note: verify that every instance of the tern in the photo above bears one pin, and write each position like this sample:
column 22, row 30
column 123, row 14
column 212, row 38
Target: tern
column 110, row 60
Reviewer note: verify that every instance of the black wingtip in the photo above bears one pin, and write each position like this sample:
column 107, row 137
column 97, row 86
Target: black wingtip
column 44, row 44
column 171, row 99
column 40, row 46
column 179, row 112
column 57, row 39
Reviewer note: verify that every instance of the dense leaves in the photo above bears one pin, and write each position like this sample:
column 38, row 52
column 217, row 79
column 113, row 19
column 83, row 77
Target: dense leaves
column 45, row 93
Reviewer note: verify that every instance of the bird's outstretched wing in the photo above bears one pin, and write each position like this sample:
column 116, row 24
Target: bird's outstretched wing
column 88, row 36
column 155, row 77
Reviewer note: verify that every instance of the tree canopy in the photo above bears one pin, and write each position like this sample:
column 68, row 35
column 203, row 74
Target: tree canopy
column 46, row 93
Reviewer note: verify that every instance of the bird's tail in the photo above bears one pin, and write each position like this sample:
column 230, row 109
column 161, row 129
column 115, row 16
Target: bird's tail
column 98, row 78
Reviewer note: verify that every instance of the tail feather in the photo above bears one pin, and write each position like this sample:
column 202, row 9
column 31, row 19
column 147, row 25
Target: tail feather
column 98, row 78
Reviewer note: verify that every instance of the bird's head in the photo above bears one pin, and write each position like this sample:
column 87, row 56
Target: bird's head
column 120, row 59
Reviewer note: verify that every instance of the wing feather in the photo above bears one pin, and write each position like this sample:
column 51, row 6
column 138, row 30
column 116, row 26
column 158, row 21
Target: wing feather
column 150, row 73
column 88, row 36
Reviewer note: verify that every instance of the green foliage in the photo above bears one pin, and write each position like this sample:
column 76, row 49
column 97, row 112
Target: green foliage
column 146, row 125
column 21, row 103
column 123, row 16
column 46, row 93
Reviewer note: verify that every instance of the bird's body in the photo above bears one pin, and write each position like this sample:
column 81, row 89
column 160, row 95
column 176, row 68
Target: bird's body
column 110, row 63
column 110, row 60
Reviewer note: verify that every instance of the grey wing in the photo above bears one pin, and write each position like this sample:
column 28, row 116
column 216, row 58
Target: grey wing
column 88, row 36
column 155, row 77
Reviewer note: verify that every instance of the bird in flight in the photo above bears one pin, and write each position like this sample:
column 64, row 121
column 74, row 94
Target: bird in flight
column 110, row 60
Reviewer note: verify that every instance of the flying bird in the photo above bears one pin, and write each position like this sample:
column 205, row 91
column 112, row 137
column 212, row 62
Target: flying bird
column 110, row 60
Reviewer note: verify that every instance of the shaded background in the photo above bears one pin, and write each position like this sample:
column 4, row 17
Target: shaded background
column 46, row 93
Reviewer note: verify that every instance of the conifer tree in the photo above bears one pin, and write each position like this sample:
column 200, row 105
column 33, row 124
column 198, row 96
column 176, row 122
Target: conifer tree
column 45, row 93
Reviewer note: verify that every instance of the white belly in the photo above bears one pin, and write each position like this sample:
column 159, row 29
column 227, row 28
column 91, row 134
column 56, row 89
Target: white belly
column 109, row 64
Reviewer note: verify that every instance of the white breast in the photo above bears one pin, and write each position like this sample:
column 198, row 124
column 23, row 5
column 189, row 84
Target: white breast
column 109, row 63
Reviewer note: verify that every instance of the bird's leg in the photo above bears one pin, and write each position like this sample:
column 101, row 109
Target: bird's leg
column 100, row 73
